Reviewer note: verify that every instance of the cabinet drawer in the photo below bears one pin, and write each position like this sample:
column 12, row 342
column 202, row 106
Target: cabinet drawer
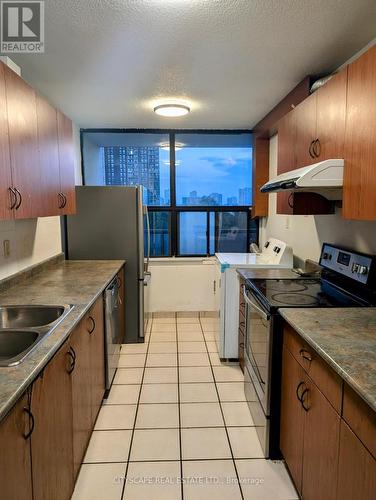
column 329, row 383
column 361, row 418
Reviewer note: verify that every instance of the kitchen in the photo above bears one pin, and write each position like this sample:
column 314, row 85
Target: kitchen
column 188, row 252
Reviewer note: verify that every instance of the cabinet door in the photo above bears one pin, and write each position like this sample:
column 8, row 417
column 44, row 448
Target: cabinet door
column 15, row 463
column 357, row 468
column 321, row 445
column 331, row 117
column 23, row 142
column 52, row 439
column 95, row 326
column 286, row 156
column 66, row 161
column 305, row 115
column 292, row 416
column 359, row 183
column 49, row 156
column 6, row 198
column 81, row 394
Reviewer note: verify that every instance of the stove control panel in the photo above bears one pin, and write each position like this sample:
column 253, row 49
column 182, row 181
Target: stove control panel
column 346, row 262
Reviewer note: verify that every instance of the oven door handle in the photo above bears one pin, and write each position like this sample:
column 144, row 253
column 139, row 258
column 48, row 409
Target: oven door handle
column 260, row 311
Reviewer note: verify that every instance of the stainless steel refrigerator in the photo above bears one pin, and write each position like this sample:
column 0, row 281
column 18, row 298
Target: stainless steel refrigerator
column 112, row 223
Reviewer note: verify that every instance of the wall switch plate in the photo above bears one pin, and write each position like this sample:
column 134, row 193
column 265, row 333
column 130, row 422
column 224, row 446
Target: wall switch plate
column 6, row 248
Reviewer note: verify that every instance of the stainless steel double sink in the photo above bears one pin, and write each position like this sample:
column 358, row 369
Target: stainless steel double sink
column 23, row 327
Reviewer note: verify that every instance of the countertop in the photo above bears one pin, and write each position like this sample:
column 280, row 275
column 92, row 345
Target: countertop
column 251, row 274
column 345, row 339
column 78, row 283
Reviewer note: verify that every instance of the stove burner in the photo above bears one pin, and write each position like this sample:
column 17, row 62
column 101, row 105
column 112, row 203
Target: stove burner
column 298, row 299
column 284, row 286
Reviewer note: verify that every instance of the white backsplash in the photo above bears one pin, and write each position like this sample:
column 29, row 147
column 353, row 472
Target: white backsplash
column 31, row 241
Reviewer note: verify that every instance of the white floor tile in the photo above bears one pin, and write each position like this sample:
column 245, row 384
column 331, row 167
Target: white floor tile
column 228, row 373
column 193, row 359
column 123, row 395
column 205, row 444
column 210, row 336
column 265, row 480
column 155, row 444
column 201, row 415
column 189, row 374
column 108, row 446
column 163, row 337
column 231, row 391
column 237, row 414
column 163, row 347
column 161, row 360
column 168, row 375
column 188, row 321
column 128, row 376
column 153, row 481
column 154, row 416
column 134, row 348
column 244, row 442
column 215, row 359
column 163, row 328
column 131, row 360
column 212, row 346
column 192, row 347
column 99, row 481
column 190, row 328
column 159, row 393
column 198, row 393
column 116, row 417
column 190, row 337
column 170, row 320
column 210, row 479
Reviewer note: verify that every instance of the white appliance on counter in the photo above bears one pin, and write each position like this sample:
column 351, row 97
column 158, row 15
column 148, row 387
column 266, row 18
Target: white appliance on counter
column 276, row 254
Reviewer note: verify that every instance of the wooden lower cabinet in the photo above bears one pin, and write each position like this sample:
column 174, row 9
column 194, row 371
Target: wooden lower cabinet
column 81, row 395
column 52, row 438
column 321, row 444
column 292, row 416
column 357, row 468
column 15, row 454
column 95, row 328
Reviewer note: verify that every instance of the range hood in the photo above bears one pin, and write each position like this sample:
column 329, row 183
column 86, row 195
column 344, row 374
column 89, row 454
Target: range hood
column 324, row 177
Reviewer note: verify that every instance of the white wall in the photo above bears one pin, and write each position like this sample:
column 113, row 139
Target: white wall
column 182, row 285
column 31, row 242
column 306, row 233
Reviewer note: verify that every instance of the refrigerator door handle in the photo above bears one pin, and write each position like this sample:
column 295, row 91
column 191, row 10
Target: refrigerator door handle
column 148, row 231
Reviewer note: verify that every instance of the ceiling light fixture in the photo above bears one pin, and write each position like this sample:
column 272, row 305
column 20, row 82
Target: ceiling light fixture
column 172, row 110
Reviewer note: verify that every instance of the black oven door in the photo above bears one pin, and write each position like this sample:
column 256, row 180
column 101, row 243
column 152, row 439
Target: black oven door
column 258, row 348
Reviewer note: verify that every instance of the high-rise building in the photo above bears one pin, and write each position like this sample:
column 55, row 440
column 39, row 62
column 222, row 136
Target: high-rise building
column 132, row 166
column 245, row 196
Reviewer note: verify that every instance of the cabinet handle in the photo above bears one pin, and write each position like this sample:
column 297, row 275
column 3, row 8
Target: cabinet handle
column 64, row 200
column 31, row 419
column 306, row 408
column 72, row 355
column 305, row 354
column 61, row 200
column 20, row 199
column 297, row 391
column 289, row 202
column 90, row 330
column 316, row 150
column 13, row 198
column 310, row 150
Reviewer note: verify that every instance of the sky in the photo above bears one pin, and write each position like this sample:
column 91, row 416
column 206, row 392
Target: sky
column 209, row 170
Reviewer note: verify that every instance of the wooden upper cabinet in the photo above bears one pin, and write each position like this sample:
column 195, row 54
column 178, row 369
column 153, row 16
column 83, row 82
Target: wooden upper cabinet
column 6, row 196
column 359, row 200
column 331, row 117
column 260, row 202
column 286, row 156
column 49, row 156
column 66, row 161
column 15, row 462
column 305, row 117
column 23, row 142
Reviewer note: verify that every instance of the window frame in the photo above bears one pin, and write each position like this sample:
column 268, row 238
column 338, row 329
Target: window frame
column 173, row 208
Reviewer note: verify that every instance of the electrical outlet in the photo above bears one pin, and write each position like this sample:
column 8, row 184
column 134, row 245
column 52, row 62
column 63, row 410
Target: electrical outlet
column 6, row 248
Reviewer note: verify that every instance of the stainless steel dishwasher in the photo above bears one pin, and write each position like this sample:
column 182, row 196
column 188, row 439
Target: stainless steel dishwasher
column 112, row 337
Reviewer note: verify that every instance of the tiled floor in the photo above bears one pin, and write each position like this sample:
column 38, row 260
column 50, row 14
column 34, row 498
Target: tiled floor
column 176, row 426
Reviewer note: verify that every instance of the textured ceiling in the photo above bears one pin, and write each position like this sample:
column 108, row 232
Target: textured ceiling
column 108, row 62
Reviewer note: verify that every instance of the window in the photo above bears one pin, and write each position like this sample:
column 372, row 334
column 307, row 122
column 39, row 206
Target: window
column 198, row 185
